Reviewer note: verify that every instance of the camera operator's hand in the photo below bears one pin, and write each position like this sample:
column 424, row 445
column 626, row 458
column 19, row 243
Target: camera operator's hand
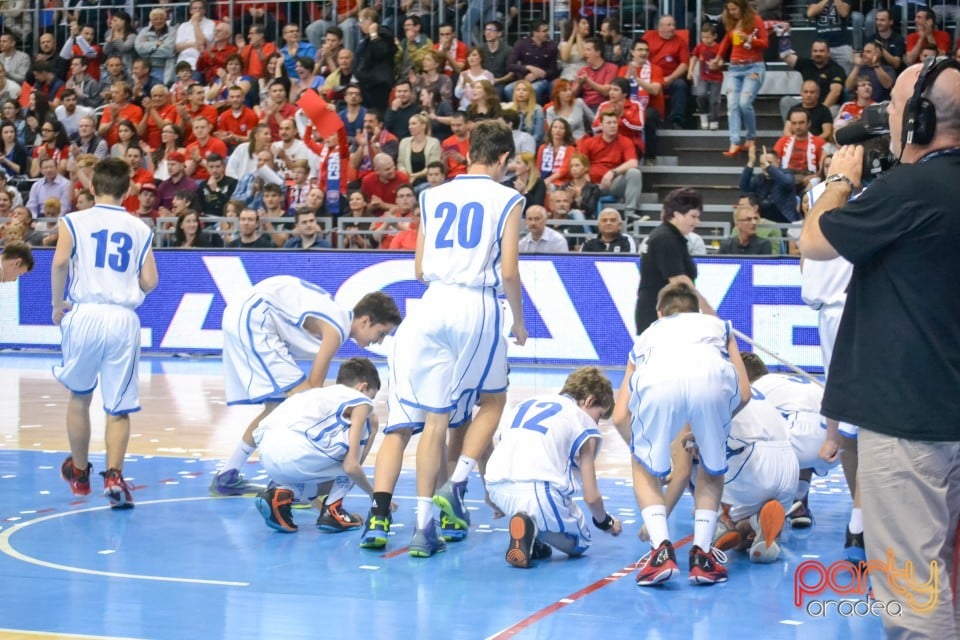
column 848, row 160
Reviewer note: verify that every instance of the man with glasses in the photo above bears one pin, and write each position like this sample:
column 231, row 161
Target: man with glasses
column 256, row 54
column 534, row 59
column 86, row 139
column 496, row 55
column 745, row 242
column 295, row 48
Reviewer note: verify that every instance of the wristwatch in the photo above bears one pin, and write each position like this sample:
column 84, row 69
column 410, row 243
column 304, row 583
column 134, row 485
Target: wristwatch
column 839, row 177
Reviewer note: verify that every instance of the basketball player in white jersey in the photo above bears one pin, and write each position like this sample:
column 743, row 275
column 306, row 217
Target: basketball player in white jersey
column 314, row 436
column 545, row 448
column 761, row 478
column 823, row 287
column 450, row 353
column 16, row 260
column 685, row 368
column 107, row 254
column 280, row 319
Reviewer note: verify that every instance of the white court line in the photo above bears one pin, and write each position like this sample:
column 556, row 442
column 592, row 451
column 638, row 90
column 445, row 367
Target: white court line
column 20, row 633
column 8, row 549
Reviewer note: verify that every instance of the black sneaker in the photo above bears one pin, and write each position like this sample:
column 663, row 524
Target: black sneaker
column 658, row 566
column 541, row 550
column 799, row 515
column 274, row 505
column 334, row 519
column 853, row 550
column 523, row 534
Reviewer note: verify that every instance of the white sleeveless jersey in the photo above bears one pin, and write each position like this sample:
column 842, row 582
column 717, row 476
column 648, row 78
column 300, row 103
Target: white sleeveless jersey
column 824, row 282
column 289, row 301
column 789, row 393
column 668, row 339
column 109, row 247
column 540, row 441
column 319, row 415
column 759, row 421
column 463, row 223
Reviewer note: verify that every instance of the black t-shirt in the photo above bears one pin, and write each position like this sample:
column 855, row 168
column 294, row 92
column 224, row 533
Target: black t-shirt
column 896, row 364
column 263, row 241
column 833, row 73
column 666, row 256
column 896, row 45
column 819, row 116
column 756, row 247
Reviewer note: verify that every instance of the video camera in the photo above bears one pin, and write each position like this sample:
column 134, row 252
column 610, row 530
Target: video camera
column 872, row 132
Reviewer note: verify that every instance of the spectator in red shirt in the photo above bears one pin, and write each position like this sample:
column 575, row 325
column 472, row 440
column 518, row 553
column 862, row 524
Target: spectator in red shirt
column 553, row 156
column 276, row 107
column 646, row 88
column 381, row 185
column 454, row 51
column 215, row 56
column 671, row 53
column 631, row 117
column 140, row 179
column 194, row 107
column 454, row 149
column 705, row 80
column 158, row 112
column 593, row 80
column 256, row 54
column 801, row 152
column 925, row 34
column 237, row 121
column 203, row 145
column 118, row 110
column 613, row 163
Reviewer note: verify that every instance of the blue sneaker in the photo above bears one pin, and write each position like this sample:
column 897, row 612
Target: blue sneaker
column 451, row 531
column 425, row 542
column 853, row 549
column 450, row 500
column 375, row 532
column 231, row 482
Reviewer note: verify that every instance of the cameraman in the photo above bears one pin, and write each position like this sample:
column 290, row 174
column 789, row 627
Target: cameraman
column 896, row 364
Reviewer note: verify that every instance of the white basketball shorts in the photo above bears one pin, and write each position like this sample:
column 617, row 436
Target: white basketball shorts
column 102, row 341
column 551, row 511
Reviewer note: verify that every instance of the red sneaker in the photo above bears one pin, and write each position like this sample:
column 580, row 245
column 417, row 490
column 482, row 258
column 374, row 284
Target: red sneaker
column 78, row 480
column 706, row 567
column 116, row 489
column 658, row 566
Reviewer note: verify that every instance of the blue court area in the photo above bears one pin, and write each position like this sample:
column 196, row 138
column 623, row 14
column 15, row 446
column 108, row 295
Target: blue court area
column 185, row 565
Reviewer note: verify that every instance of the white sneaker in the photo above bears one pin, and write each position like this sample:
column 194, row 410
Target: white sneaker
column 714, row 126
column 703, row 121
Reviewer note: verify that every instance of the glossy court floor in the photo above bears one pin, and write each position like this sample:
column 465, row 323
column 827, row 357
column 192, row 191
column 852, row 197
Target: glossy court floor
column 184, row 565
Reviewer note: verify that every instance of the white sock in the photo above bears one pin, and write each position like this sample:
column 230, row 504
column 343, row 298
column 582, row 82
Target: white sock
column 462, row 471
column 802, row 488
column 239, row 456
column 704, row 524
column 856, row 521
column 655, row 519
column 424, row 512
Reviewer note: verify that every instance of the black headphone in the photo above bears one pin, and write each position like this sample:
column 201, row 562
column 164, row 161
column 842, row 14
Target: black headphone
column 920, row 116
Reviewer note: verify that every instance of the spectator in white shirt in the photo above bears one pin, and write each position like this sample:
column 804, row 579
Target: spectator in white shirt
column 541, row 238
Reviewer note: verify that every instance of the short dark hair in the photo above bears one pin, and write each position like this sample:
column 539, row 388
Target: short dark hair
column 493, row 23
column 273, row 188
column 511, row 117
column 337, row 31
column 436, row 164
column 18, row 249
column 677, row 298
column 682, row 201
column 708, row 27
column 755, row 367
column 379, row 307
column 798, row 109
column 414, row 20
column 357, row 370
column 623, row 84
column 594, row 42
column 302, row 211
column 111, row 178
column 752, row 198
column 214, row 157
column 489, row 140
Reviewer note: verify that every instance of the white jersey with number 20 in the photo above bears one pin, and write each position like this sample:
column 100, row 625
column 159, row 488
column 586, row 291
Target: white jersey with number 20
column 463, row 223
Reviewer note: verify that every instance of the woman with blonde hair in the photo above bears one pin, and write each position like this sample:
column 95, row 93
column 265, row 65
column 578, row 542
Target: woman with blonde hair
column 525, row 104
column 418, row 150
column 570, row 108
column 528, row 181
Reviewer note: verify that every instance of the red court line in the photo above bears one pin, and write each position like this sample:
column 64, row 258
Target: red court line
column 514, row 629
column 395, row 553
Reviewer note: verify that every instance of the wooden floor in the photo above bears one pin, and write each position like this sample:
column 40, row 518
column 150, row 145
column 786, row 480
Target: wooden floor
column 185, row 565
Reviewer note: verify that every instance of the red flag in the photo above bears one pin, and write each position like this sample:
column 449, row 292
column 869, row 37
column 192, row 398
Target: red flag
column 326, row 122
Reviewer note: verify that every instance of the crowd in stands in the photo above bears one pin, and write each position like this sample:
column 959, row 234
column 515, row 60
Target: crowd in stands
column 206, row 112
